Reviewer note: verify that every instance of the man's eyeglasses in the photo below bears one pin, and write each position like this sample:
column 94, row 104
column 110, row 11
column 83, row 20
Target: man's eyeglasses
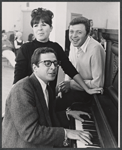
column 48, row 63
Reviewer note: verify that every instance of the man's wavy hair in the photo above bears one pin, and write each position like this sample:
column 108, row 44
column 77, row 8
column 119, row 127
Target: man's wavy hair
column 81, row 20
column 43, row 15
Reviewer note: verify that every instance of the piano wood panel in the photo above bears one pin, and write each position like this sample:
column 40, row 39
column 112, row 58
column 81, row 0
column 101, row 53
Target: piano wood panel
column 109, row 100
column 103, row 127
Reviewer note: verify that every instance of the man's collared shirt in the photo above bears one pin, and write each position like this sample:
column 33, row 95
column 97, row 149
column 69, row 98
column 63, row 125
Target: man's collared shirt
column 84, row 46
column 44, row 88
column 75, row 52
column 89, row 60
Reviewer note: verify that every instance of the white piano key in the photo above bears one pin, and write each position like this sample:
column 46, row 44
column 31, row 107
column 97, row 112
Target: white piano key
column 80, row 144
column 78, row 125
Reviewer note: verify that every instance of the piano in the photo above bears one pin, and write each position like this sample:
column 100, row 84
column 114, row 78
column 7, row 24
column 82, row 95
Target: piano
column 104, row 121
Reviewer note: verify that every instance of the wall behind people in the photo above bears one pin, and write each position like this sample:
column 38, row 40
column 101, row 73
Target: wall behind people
column 104, row 14
column 11, row 16
column 26, row 24
column 113, row 21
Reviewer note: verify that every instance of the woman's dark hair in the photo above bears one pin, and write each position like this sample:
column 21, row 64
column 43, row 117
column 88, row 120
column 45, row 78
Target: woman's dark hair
column 30, row 37
column 81, row 20
column 11, row 39
column 41, row 50
column 3, row 31
column 41, row 14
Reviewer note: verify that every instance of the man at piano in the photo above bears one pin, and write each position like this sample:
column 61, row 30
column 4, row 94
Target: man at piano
column 88, row 57
column 30, row 120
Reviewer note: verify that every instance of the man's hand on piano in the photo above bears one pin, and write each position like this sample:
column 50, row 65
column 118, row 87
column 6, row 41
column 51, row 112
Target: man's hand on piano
column 83, row 136
column 77, row 114
column 95, row 91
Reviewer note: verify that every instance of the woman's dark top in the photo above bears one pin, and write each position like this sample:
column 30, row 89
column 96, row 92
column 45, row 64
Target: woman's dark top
column 23, row 60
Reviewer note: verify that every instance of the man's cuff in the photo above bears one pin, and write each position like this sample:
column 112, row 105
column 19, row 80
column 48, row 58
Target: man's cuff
column 65, row 142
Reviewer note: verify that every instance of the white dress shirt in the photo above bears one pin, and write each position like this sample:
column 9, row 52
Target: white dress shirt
column 44, row 88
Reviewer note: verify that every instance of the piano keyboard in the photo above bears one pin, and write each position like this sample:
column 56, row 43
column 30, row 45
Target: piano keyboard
column 87, row 125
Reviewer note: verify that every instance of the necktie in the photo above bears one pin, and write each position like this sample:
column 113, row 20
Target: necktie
column 51, row 104
column 49, row 97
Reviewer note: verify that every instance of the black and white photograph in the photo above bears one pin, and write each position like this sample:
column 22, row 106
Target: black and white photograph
column 60, row 74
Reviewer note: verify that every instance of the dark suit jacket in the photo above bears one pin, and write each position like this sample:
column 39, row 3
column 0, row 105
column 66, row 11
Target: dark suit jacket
column 27, row 122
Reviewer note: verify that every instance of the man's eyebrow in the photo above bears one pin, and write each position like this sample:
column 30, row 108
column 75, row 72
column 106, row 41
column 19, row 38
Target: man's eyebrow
column 49, row 60
column 75, row 30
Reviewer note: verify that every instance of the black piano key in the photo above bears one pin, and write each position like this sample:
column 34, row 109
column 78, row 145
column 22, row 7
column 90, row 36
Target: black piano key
column 89, row 127
column 85, row 117
column 93, row 146
column 95, row 139
column 90, row 130
column 90, row 123
column 88, row 110
column 93, row 133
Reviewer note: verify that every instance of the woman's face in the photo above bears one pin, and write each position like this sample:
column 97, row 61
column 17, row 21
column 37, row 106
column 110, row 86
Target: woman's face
column 42, row 31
